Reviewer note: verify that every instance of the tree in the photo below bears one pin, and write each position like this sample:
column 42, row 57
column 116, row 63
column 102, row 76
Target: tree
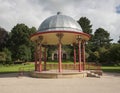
column 94, row 56
column 3, row 38
column 20, row 35
column 101, row 38
column 32, row 30
column 5, row 56
column 85, row 25
column 8, row 54
column 50, row 49
column 114, row 54
column 32, row 44
column 87, row 28
column 2, row 57
column 24, row 53
column 103, row 52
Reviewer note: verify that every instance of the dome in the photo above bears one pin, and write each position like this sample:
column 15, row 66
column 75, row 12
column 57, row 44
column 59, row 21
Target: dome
column 59, row 22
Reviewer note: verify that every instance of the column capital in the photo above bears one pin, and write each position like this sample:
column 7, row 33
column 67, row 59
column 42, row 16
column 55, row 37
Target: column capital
column 40, row 39
column 59, row 35
column 83, row 41
column 79, row 38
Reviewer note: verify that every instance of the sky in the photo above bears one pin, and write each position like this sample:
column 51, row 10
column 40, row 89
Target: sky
column 101, row 13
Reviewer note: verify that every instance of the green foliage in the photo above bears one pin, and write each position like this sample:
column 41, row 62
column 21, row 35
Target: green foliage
column 94, row 56
column 68, row 48
column 20, row 39
column 98, row 46
column 50, row 49
column 85, row 25
column 5, row 56
column 3, row 38
column 101, row 38
column 87, row 28
column 2, row 56
column 114, row 69
column 24, row 53
column 16, row 68
column 8, row 54
column 98, row 49
column 20, row 35
column 114, row 54
column 103, row 54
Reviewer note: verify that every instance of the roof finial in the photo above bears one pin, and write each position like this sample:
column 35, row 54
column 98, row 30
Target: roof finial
column 58, row 13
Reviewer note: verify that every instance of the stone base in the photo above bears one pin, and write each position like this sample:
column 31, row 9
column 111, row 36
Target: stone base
column 65, row 74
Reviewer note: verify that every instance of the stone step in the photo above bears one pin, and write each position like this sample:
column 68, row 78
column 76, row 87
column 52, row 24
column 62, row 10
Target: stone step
column 90, row 74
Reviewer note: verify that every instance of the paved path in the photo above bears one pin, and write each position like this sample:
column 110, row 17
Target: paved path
column 108, row 83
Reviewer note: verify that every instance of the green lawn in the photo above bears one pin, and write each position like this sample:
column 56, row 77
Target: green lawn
column 30, row 67
column 16, row 68
column 111, row 69
column 19, row 67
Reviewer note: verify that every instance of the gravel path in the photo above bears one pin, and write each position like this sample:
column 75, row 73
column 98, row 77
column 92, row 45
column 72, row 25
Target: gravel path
column 108, row 83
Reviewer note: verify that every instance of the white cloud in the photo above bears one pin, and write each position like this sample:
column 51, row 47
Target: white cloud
column 32, row 12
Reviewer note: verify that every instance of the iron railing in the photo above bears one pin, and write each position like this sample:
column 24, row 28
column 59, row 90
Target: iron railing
column 65, row 66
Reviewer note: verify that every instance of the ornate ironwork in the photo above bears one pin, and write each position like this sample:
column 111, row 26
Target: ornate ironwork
column 59, row 35
column 40, row 39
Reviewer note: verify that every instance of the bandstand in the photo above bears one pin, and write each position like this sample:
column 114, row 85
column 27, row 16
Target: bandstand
column 59, row 30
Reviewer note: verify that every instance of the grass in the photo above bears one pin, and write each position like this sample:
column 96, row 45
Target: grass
column 30, row 67
column 16, row 68
column 115, row 69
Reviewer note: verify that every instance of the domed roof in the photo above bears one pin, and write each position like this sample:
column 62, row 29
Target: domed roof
column 59, row 22
column 57, row 25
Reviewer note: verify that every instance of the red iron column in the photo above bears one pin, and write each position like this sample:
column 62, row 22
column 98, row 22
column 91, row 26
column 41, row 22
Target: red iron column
column 83, row 53
column 74, row 56
column 35, row 56
column 45, row 58
column 40, row 60
column 60, row 58
column 79, row 52
column 59, row 35
column 40, row 53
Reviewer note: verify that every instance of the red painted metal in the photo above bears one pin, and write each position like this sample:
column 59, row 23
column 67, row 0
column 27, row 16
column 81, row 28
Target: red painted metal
column 59, row 35
column 79, row 54
column 74, row 57
column 60, row 31
column 45, row 59
column 35, row 61
column 38, row 67
column 83, row 54
column 90, row 66
column 35, row 56
column 40, row 60
column 60, row 58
